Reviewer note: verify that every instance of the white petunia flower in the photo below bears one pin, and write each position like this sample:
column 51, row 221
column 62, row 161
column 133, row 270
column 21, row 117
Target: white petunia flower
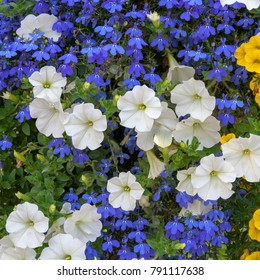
column 84, row 224
column 50, row 116
column 184, row 178
column 47, row 83
column 244, row 155
column 213, row 177
column 156, row 166
column 191, row 97
column 9, row 252
column 196, row 208
column 250, row 4
column 161, row 132
column 64, row 247
column 124, row 191
column 180, row 73
column 14, row 253
column 43, row 23
column 27, row 226
column 139, row 108
column 206, row 132
column 86, row 125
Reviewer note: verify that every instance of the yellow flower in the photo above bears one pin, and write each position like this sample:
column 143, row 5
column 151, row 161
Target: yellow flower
column 225, row 138
column 256, row 217
column 254, row 256
column 253, row 44
column 252, row 61
column 255, row 84
column 240, row 54
column 257, row 99
column 254, row 226
column 245, row 254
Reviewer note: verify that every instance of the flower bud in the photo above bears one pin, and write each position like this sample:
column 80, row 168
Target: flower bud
column 155, row 18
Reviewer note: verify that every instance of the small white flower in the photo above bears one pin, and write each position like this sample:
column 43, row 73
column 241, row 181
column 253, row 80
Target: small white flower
column 86, row 125
column 196, row 208
column 47, row 83
column 161, row 132
column 206, row 132
column 139, row 108
column 14, row 253
column 213, row 177
column 184, row 178
column 244, row 155
column 64, row 247
column 180, row 73
column 124, row 191
column 250, row 4
column 156, row 166
column 84, row 224
column 27, row 226
column 191, row 97
column 43, row 23
column 50, row 116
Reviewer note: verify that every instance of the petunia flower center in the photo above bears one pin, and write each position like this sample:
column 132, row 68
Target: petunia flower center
column 67, row 257
column 246, row 152
column 213, row 173
column 197, row 97
column 142, row 107
column 46, row 85
column 31, row 223
column 127, row 189
column 90, row 123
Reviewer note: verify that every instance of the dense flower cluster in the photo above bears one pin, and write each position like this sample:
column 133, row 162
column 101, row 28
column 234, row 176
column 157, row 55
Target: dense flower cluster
column 123, row 131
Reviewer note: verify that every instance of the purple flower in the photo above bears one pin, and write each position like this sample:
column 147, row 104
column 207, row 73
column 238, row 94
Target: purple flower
column 123, row 224
column 109, row 244
column 160, row 42
column 114, row 49
column 226, row 117
column 63, row 150
column 90, row 198
column 79, row 156
column 5, row 143
column 218, row 72
column 136, row 69
column 152, row 77
column 23, row 114
column 69, row 57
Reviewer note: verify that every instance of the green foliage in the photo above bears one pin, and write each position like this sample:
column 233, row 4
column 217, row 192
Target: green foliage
column 163, row 246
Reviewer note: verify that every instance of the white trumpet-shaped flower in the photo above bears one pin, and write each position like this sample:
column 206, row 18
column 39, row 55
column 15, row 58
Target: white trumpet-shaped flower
column 206, row 132
column 196, row 208
column 27, row 225
column 47, row 83
column 244, row 155
column 184, row 178
column 42, row 23
column 85, row 125
column 64, row 247
column 161, row 132
column 84, row 224
column 192, row 97
column 50, row 116
column 139, row 108
column 250, row 4
column 156, row 166
column 213, row 178
column 124, row 191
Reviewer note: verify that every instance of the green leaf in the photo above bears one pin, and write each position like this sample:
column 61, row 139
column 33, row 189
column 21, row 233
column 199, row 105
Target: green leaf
column 109, row 105
column 26, row 129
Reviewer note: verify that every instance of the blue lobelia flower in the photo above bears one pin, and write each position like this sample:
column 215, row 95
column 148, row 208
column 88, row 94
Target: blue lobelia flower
column 5, row 143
